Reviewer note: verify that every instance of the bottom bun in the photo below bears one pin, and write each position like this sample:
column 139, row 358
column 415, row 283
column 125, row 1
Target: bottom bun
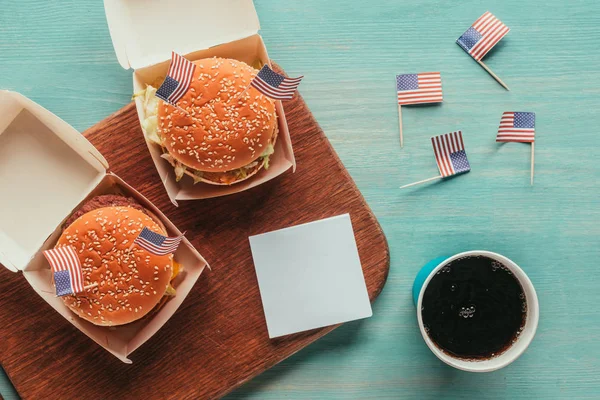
column 227, row 178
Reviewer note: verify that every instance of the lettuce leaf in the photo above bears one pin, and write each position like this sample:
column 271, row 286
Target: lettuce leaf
column 170, row 291
column 150, row 123
column 197, row 176
column 179, row 167
column 179, row 170
column 150, row 101
column 267, row 154
column 150, row 126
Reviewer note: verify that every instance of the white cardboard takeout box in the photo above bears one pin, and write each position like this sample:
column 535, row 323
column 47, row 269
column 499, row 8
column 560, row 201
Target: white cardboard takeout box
column 32, row 139
column 145, row 32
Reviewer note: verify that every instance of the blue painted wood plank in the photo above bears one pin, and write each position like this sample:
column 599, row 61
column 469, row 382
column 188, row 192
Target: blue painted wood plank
column 60, row 55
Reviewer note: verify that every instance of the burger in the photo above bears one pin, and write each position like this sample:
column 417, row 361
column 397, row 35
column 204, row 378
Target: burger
column 129, row 282
column 222, row 131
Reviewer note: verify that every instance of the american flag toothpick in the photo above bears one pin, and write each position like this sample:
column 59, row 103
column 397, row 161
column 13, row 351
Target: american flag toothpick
column 178, row 80
column 422, row 88
column 66, row 270
column 518, row 127
column 481, row 37
column 274, row 85
column 450, row 156
column 156, row 243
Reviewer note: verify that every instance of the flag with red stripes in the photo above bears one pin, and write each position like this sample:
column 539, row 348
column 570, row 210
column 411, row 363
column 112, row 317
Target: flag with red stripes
column 449, row 150
column 66, row 269
column 178, row 79
column 425, row 87
column 516, row 127
column 156, row 243
column 482, row 35
column 274, row 85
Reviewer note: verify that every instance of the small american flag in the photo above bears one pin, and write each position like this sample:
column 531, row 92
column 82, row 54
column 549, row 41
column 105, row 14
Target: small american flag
column 66, row 268
column 156, row 243
column 482, row 35
column 274, row 85
column 178, row 79
column 517, row 127
column 425, row 87
column 450, row 154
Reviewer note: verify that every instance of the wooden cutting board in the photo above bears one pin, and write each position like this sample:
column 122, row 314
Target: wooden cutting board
column 218, row 339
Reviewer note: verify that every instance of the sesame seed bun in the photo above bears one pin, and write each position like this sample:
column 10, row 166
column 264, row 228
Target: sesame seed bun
column 130, row 283
column 229, row 125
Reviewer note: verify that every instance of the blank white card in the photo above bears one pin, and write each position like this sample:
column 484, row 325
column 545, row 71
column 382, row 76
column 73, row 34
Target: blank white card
column 310, row 276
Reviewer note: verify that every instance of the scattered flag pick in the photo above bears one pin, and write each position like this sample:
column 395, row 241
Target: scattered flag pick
column 479, row 39
column 178, row 80
column 156, row 243
column 422, row 88
column 518, row 127
column 450, row 156
column 274, row 85
column 66, row 269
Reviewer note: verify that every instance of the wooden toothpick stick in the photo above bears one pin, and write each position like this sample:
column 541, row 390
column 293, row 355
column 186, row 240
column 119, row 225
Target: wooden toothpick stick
column 423, row 181
column 493, row 74
column 93, row 285
column 400, row 125
column 532, row 160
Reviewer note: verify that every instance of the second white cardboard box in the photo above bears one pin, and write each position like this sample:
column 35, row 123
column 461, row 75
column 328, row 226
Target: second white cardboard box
column 35, row 141
column 145, row 33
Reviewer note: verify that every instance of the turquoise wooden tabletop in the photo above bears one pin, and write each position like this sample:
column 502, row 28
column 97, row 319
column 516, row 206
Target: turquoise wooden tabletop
column 60, row 55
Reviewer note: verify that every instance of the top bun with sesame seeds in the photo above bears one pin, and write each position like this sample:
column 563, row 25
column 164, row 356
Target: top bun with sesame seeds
column 229, row 130
column 130, row 283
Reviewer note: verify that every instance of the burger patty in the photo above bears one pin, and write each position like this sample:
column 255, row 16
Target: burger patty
column 105, row 200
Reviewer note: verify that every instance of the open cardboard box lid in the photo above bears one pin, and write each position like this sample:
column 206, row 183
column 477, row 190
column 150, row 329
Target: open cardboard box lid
column 145, row 32
column 46, row 169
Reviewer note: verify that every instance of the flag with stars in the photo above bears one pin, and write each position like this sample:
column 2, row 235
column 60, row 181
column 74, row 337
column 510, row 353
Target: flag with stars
column 425, row 87
column 449, row 150
column 479, row 39
column 274, row 85
column 156, row 243
column 516, row 127
column 178, row 79
column 66, row 269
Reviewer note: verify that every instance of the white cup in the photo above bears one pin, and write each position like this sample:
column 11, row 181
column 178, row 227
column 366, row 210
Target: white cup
column 523, row 340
